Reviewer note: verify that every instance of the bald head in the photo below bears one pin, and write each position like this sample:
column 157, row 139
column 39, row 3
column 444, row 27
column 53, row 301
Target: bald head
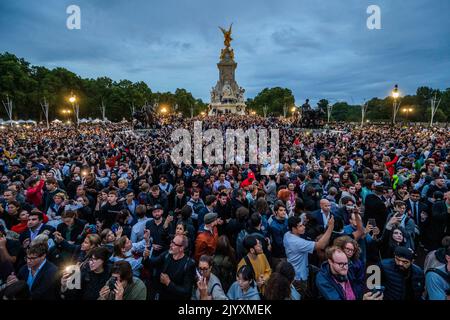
column 325, row 205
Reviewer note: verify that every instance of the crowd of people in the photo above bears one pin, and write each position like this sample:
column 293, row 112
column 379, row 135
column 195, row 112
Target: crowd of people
column 109, row 203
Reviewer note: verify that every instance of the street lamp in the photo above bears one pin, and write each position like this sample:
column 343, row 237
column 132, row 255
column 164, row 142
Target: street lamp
column 66, row 112
column 75, row 106
column 397, row 102
column 407, row 111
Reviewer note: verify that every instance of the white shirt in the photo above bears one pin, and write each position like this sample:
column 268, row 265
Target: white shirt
column 325, row 219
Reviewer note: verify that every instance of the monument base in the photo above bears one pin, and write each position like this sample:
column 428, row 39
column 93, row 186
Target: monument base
column 226, row 108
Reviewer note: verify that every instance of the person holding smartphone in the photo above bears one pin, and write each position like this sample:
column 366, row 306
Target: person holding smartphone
column 399, row 218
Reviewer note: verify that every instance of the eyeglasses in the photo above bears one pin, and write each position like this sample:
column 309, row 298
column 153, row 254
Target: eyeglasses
column 176, row 244
column 349, row 249
column 92, row 259
column 341, row 264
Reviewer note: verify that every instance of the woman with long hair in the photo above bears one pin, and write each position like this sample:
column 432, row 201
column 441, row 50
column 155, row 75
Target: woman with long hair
column 224, row 262
column 390, row 240
column 125, row 250
column 277, row 287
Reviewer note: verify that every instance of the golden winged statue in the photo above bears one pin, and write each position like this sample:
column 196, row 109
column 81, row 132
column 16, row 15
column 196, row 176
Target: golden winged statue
column 227, row 36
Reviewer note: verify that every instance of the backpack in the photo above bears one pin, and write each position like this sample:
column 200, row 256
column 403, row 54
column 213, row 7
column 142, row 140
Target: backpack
column 442, row 274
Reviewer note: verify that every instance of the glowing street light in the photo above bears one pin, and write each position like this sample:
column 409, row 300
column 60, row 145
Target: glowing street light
column 164, row 110
column 397, row 102
column 395, row 93
column 75, row 106
column 407, row 111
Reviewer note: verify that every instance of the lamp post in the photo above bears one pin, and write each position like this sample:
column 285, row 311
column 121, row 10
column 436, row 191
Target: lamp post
column 75, row 106
column 407, row 111
column 66, row 112
column 397, row 102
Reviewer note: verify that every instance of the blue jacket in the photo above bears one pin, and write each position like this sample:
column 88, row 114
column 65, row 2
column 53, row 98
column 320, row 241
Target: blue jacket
column 394, row 283
column 277, row 229
column 330, row 289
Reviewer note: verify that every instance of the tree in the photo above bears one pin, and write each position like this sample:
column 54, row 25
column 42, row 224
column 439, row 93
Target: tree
column 16, row 83
column 275, row 99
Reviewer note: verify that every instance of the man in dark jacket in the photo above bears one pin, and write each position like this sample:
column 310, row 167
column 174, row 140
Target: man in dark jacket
column 158, row 197
column 111, row 210
column 277, row 228
column 375, row 208
column 418, row 211
column 156, row 226
column 35, row 226
column 334, row 281
column 40, row 274
column 176, row 271
column 402, row 279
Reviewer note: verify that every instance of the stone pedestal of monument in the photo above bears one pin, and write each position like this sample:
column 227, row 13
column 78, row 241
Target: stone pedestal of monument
column 227, row 96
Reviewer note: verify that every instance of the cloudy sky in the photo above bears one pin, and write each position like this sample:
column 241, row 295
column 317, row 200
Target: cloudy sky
column 317, row 48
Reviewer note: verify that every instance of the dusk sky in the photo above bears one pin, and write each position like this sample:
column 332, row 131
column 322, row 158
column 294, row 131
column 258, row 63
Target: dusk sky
column 318, row 49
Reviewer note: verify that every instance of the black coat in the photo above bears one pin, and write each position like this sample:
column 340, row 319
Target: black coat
column 375, row 208
column 45, row 285
column 27, row 234
column 182, row 277
column 421, row 207
column 76, row 231
column 395, row 284
column 439, row 225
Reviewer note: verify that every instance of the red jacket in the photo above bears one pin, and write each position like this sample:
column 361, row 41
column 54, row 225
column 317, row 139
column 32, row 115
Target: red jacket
column 19, row 228
column 34, row 194
column 390, row 166
column 206, row 243
column 248, row 181
column 23, row 226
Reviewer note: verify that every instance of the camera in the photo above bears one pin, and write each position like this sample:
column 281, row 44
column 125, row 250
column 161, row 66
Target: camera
column 112, row 283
